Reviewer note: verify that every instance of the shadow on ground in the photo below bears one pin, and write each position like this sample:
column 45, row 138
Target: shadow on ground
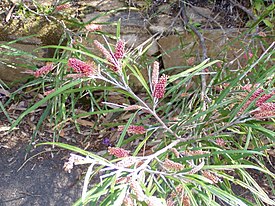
column 41, row 181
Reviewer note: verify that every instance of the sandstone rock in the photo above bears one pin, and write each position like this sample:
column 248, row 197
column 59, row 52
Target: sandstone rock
column 166, row 24
column 133, row 27
column 104, row 5
column 198, row 14
column 13, row 63
column 138, row 3
column 131, row 21
column 177, row 49
column 135, row 30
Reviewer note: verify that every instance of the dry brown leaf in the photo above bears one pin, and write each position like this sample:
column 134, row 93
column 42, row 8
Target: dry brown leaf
column 62, row 133
column 85, row 122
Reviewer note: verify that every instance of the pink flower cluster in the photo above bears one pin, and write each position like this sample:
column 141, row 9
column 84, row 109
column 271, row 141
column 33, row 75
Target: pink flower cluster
column 252, row 98
column 81, row 67
column 159, row 89
column 263, row 99
column 133, row 129
column 264, row 109
column 43, row 70
column 114, row 59
column 155, row 73
column 62, row 7
column 220, row 142
column 171, row 165
column 93, row 27
column 118, row 152
column 120, row 49
column 158, row 84
column 46, row 93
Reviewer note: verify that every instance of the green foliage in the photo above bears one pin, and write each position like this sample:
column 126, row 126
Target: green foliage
column 204, row 142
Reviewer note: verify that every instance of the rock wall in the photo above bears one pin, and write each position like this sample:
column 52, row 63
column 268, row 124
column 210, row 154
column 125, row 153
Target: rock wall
column 139, row 22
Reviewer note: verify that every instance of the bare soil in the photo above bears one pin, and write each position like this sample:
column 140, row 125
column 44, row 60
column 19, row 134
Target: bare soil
column 38, row 181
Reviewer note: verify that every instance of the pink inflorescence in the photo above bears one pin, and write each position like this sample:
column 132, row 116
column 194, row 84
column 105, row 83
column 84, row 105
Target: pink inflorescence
column 62, row 7
column 118, row 152
column 43, row 70
column 93, row 27
column 255, row 95
column 264, row 109
column 263, row 99
column 119, row 51
column 81, row 67
column 133, row 129
column 159, row 89
column 103, row 50
column 113, row 59
column 155, row 73
column 46, row 93
column 220, row 142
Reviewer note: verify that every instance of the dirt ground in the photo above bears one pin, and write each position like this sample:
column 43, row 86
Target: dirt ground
column 34, row 176
column 38, row 181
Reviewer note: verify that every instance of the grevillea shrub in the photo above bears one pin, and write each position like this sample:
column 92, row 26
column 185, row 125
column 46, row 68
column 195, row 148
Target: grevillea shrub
column 178, row 146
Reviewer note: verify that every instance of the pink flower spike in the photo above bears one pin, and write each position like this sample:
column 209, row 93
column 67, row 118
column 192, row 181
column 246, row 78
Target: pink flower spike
column 62, row 7
column 220, row 142
column 119, row 51
column 263, row 99
column 219, row 65
column 93, row 27
column 160, row 87
column 133, row 129
column 264, row 114
column 114, row 64
column 46, row 93
column 43, row 70
column 256, row 94
column 103, row 50
column 81, row 67
column 118, row 152
column 155, row 73
column 136, row 129
column 270, row 106
column 191, row 61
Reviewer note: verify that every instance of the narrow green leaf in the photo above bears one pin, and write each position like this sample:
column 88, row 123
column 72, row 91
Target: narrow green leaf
column 121, row 138
column 44, row 100
column 197, row 68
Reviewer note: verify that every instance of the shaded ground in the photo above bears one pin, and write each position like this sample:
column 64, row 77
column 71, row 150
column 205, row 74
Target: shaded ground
column 39, row 181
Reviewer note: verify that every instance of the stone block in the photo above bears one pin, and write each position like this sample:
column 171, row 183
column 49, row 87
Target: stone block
column 13, row 64
column 220, row 44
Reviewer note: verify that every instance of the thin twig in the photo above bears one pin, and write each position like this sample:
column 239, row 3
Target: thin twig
column 203, row 46
column 253, row 17
column 244, row 9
